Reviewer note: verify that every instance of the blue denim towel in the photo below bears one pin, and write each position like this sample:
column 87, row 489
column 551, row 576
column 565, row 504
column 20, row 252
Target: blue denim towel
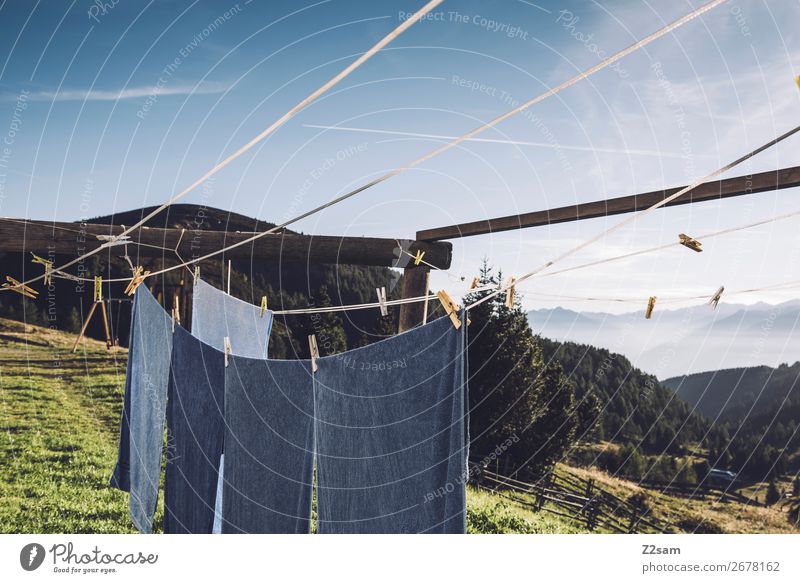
column 138, row 468
column 195, row 433
column 269, row 446
column 215, row 315
column 217, row 528
column 391, row 448
column 121, row 476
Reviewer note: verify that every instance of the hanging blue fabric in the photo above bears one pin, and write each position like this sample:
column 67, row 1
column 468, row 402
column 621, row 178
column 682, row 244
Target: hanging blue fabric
column 138, row 468
column 391, row 443
column 269, row 446
column 195, row 433
column 216, row 315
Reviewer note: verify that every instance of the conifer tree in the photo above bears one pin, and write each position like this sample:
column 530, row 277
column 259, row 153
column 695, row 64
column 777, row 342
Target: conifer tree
column 513, row 393
column 327, row 326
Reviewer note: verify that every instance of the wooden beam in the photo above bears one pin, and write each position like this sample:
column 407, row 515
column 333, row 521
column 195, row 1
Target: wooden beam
column 42, row 237
column 415, row 284
column 719, row 189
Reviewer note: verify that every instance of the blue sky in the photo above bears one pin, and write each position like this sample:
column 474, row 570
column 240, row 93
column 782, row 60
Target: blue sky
column 120, row 105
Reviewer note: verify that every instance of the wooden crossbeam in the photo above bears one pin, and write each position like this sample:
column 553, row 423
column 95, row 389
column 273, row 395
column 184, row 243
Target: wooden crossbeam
column 719, row 189
column 73, row 239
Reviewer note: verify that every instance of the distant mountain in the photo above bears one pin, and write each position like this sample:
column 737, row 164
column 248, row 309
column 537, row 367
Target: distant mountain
column 687, row 340
column 193, row 216
column 635, row 408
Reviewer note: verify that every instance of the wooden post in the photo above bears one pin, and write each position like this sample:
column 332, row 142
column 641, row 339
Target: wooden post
column 109, row 342
column 85, row 325
column 415, row 284
column 591, row 509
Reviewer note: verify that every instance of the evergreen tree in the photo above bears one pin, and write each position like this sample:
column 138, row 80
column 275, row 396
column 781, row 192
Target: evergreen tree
column 773, row 494
column 686, row 474
column 327, row 326
column 73, row 323
column 513, row 394
column 589, row 410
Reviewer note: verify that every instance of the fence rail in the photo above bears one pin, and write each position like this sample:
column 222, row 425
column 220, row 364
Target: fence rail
column 697, row 491
column 575, row 498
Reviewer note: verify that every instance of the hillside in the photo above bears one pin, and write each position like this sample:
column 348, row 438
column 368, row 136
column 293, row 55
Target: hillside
column 687, row 340
column 635, row 408
column 733, row 393
column 755, row 414
column 59, row 414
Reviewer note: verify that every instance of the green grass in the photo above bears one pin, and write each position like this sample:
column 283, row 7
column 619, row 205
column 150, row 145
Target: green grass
column 59, row 423
column 59, row 415
column 490, row 513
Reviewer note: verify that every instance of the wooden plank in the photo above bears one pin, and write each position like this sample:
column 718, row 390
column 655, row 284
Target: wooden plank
column 73, row 239
column 415, row 284
column 730, row 187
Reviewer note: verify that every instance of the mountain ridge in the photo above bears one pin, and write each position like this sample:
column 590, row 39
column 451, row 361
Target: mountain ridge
column 684, row 340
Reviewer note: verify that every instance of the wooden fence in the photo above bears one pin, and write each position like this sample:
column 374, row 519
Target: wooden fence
column 696, row 491
column 575, row 498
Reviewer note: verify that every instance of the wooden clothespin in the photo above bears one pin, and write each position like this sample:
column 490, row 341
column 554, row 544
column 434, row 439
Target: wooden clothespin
column 20, row 288
column 48, row 265
column 450, row 307
column 692, row 244
column 263, row 306
column 196, row 274
column 510, row 293
column 98, row 288
column 418, row 257
column 714, row 301
column 651, row 303
column 114, row 240
column 226, row 348
column 138, row 278
column 475, row 283
column 313, row 351
column 382, row 300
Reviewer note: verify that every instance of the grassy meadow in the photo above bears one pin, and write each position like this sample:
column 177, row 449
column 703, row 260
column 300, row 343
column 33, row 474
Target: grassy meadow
column 59, row 415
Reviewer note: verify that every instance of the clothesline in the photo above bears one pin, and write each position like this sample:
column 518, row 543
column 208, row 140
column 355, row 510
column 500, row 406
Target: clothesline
column 674, row 244
column 444, row 148
column 407, row 23
column 373, row 305
column 432, row 297
column 639, row 214
column 668, row 299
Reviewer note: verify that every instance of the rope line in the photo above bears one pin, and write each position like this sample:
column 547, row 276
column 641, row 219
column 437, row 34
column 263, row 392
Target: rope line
column 675, row 244
column 260, row 137
column 662, row 299
column 642, row 213
column 588, row 72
